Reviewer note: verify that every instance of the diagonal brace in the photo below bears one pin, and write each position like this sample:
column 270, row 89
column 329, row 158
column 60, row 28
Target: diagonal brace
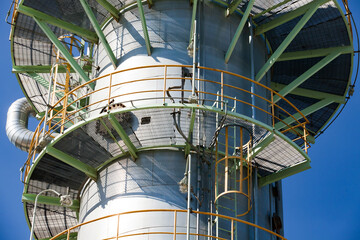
column 288, row 16
column 120, row 130
column 144, row 27
column 110, row 8
column 306, row 75
column 63, row 50
column 271, row 61
column 262, row 145
column 99, row 32
column 89, row 35
column 239, row 30
column 232, row 7
column 307, row 111
column 88, row 170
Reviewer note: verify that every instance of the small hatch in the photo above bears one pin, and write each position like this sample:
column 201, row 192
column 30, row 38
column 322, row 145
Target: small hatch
column 145, row 120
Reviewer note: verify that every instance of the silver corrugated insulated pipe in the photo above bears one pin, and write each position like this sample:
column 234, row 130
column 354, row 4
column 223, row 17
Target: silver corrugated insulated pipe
column 17, row 123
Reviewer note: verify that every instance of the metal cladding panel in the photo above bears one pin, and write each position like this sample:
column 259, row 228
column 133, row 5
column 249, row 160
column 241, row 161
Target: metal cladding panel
column 83, row 147
column 149, row 183
column 51, row 220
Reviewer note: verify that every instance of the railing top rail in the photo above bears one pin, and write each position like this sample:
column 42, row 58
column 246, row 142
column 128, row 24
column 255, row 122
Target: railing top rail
column 173, row 211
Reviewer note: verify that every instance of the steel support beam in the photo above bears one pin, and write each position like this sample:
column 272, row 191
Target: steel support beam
column 111, row 135
column 239, row 30
column 44, row 69
column 48, row 200
column 193, row 16
column 119, row 129
column 89, row 35
column 262, row 145
column 306, row 75
column 75, row 163
column 271, row 61
column 287, row 172
column 191, row 129
column 289, row 16
column 144, row 27
column 43, row 25
column 110, row 8
column 232, row 7
column 270, row 9
column 307, row 111
column 322, row 52
column 99, row 32
column 303, row 92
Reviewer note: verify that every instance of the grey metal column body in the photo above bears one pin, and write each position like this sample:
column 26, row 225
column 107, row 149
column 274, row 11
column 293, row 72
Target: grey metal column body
column 151, row 182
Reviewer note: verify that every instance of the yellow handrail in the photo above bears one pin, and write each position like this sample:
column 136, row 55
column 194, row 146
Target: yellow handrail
column 67, row 116
column 174, row 233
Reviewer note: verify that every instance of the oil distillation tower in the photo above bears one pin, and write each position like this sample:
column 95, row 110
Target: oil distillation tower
column 172, row 119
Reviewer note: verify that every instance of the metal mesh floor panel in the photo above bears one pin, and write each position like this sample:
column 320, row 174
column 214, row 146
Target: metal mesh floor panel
column 277, row 156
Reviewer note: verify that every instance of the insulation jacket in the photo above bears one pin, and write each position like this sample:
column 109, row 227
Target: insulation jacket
column 17, row 124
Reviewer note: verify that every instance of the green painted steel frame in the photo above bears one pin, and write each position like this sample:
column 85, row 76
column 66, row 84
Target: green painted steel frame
column 44, row 69
column 322, row 52
column 300, row 24
column 88, row 170
column 110, row 8
column 233, row 6
column 287, row 172
column 191, row 129
column 144, row 27
column 48, row 200
column 239, row 30
column 309, row 73
column 99, row 32
column 271, row 8
column 119, row 129
column 43, row 25
column 193, row 17
column 89, row 35
column 181, row 106
column 289, row 16
column 111, row 135
column 307, row 111
column 262, row 145
column 309, row 93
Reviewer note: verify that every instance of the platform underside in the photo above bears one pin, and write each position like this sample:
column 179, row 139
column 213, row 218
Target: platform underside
column 89, row 143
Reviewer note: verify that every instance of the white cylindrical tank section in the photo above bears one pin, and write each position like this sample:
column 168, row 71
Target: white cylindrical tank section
column 152, row 180
column 168, row 24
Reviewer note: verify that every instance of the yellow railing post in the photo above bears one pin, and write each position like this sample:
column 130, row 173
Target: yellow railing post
column 175, row 223
column 68, row 234
column 117, row 227
column 232, row 229
column 272, row 109
column 226, row 159
column 165, row 72
column 222, row 90
column 109, row 97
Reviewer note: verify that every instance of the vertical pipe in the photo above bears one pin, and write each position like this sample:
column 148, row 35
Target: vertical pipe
column 188, row 199
column 198, row 197
column 251, row 41
column 194, row 62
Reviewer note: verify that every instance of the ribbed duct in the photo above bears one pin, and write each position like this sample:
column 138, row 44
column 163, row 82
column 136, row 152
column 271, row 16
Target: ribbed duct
column 17, row 123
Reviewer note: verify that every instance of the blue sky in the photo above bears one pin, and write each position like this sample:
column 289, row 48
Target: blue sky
column 320, row 203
